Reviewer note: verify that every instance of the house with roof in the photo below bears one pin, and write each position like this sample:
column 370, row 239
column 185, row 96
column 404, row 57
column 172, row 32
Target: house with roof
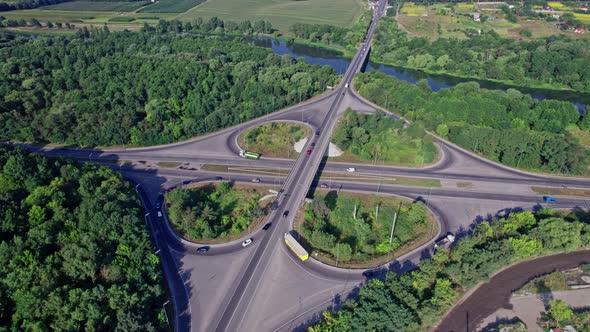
column 584, row 8
column 580, row 30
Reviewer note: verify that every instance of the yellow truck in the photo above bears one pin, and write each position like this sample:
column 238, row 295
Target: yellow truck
column 296, row 247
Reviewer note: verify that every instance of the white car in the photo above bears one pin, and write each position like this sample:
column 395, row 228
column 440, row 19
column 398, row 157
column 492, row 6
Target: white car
column 247, row 242
column 256, row 180
column 350, row 169
column 159, row 214
column 324, row 186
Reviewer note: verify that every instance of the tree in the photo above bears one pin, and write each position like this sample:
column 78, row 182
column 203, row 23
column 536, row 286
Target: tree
column 442, row 130
column 560, row 311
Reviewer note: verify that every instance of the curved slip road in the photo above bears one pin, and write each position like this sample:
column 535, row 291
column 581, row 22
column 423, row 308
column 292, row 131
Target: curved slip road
column 497, row 292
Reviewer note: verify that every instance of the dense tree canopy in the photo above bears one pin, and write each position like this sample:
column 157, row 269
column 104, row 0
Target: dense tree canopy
column 348, row 227
column 76, row 254
column 555, row 61
column 102, row 88
column 509, row 127
column 214, row 210
column 415, row 301
column 380, row 138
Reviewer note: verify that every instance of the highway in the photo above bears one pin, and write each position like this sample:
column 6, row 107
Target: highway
column 264, row 287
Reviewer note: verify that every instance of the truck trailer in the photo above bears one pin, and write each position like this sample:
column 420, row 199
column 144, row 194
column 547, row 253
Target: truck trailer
column 296, row 247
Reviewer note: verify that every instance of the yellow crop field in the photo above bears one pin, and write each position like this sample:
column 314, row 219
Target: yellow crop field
column 558, row 5
column 585, row 18
column 465, row 6
column 411, row 9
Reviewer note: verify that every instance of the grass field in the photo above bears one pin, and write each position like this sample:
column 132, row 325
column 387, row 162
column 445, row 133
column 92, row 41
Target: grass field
column 281, row 13
column 274, row 140
column 465, row 6
column 97, row 6
column 171, row 6
column 413, row 10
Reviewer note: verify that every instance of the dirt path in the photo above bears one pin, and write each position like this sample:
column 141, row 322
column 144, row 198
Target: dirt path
column 497, row 292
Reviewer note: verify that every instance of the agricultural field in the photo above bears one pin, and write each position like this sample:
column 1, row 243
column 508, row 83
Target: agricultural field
column 97, row 6
column 171, row 6
column 281, row 13
column 412, row 10
column 115, row 20
column 444, row 20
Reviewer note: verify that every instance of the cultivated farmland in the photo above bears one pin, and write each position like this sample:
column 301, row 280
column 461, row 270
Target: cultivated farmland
column 281, row 13
column 171, row 6
column 97, row 6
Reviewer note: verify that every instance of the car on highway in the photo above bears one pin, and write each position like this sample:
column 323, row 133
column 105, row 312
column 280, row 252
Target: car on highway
column 324, row 186
column 203, row 249
column 247, row 242
column 186, row 182
column 286, row 213
column 159, row 214
column 317, row 133
column 158, row 205
column 256, row 180
column 267, row 226
column 351, row 169
column 218, row 178
column 548, row 199
column 313, row 144
column 308, row 151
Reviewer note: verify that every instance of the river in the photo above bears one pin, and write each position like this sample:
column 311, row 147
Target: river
column 322, row 56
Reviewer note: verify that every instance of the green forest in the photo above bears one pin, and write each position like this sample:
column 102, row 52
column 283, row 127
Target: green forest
column 383, row 139
column 415, row 301
column 75, row 251
column 508, row 127
column 556, row 61
column 348, row 227
column 142, row 88
column 213, row 211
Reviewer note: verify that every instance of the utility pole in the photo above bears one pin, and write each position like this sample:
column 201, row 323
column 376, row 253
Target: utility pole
column 354, row 213
column 377, row 212
column 392, row 228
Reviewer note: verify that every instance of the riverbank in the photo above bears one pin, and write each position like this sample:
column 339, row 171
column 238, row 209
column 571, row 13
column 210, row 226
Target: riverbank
column 507, row 83
column 484, row 300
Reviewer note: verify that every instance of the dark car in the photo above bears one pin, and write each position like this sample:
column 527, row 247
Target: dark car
column 317, row 133
column 158, row 205
column 203, row 249
column 548, row 199
column 286, row 213
column 313, row 144
column 267, row 226
column 186, row 182
column 218, row 178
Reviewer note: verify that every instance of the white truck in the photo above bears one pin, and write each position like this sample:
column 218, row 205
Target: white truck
column 445, row 242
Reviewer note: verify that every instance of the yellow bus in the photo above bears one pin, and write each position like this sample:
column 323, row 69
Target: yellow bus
column 296, row 247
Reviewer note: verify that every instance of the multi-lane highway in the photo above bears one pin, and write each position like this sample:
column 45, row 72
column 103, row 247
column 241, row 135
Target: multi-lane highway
column 263, row 287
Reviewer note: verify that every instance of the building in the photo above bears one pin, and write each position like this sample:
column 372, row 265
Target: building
column 476, row 17
column 584, row 8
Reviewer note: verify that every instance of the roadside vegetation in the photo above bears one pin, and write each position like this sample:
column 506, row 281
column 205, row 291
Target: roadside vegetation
column 75, row 249
column 381, row 139
column 275, row 139
column 508, row 127
column 556, row 281
column 347, row 229
column 559, row 315
column 415, row 301
column 143, row 88
column 216, row 211
column 552, row 62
